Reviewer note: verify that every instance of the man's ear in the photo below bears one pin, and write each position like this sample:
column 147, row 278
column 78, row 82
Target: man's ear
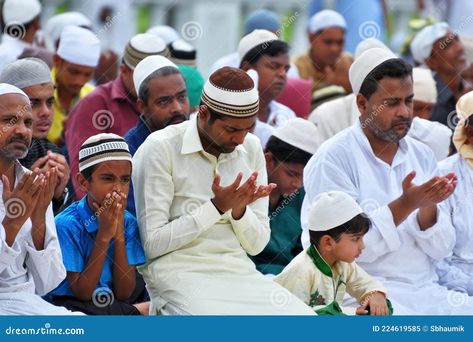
column 268, row 157
column 361, row 103
column 326, row 243
column 204, row 113
column 83, row 183
column 141, row 105
column 431, row 62
column 245, row 66
column 56, row 60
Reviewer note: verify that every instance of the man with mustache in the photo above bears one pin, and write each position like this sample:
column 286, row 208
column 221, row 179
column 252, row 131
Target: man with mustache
column 33, row 76
column 162, row 101
column 264, row 52
column 396, row 181
column 30, row 256
column 443, row 52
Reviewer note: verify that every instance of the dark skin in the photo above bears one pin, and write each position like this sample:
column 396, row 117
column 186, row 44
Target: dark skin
column 390, row 109
column 107, row 191
column 223, row 136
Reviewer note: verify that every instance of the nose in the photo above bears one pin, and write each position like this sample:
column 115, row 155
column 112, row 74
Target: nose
column 176, row 107
column 362, row 244
column 43, row 110
column 239, row 137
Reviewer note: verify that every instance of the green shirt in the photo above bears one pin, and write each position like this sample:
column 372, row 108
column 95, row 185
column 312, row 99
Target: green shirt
column 285, row 241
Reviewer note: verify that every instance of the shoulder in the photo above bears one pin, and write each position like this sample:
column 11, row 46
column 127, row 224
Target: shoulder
column 451, row 163
column 69, row 219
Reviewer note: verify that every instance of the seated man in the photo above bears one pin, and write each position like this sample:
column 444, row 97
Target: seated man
column 287, row 152
column 376, row 163
column 30, row 257
column 201, row 199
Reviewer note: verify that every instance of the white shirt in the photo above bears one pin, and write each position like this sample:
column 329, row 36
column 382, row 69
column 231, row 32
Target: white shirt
column 278, row 114
column 404, row 253
column 10, row 49
column 197, row 258
column 336, row 115
column 25, row 272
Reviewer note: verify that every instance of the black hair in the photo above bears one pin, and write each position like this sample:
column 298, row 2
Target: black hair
column 143, row 92
column 87, row 173
column 393, row 68
column 272, row 48
column 359, row 225
column 214, row 116
column 286, row 153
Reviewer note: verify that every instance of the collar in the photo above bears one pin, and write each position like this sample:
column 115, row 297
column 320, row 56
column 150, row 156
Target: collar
column 319, row 262
column 191, row 140
column 119, row 92
column 88, row 218
column 401, row 153
column 7, row 39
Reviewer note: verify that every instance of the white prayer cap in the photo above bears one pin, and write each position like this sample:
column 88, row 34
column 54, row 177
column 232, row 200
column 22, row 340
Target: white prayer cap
column 325, row 19
column 425, row 89
column 6, row 88
column 421, row 45
column 332, row 209
column 20, row 11
column 141, row 46
column 80, row 46
column 26, row 72
column 166, row 33
column 299, row 133
column 366, row 63
column 231, row 91
column 57, row 23
column 254, row 39
column 367, row 44
column 147, row 66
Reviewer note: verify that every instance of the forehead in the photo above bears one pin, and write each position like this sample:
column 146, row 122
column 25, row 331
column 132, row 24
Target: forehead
column 14, row 104
column 77, row 67
column 164, row 85
column 237, row 123
column 330, row 33
column 44, row 90
column 394, row 87
column 117, row 167
column 282, row 58
column 445, row 41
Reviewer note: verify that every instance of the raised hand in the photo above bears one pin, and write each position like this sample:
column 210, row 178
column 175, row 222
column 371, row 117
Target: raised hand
column 108, row 215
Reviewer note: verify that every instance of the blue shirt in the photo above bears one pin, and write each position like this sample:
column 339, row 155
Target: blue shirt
column 134, row 138
column 77, row 228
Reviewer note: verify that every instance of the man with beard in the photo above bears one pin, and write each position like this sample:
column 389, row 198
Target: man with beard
column 202, row 201
column 30, row 256
column 33, row 76
column 396, row 181
column 443, row 52
column 263, row 52
column 162, row 101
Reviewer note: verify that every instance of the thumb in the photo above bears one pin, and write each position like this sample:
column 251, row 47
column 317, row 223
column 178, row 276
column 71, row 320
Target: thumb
column 6, row 188
column 406, row 183
column 216, row 183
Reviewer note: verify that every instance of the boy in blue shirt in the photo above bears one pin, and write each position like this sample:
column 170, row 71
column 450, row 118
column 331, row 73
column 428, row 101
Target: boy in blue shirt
column 99, row 239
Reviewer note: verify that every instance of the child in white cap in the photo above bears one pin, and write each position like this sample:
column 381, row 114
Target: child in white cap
column 321, row 274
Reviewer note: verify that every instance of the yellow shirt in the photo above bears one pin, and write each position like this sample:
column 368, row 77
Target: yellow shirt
column 57, row 127
column 308, row 71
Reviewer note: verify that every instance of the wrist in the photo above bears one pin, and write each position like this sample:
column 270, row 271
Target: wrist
column 217, row 206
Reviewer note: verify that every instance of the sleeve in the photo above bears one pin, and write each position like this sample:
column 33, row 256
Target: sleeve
column 454, row 278
column 134, row 249
column 8, row 254
column 359, row 283
column 252, row 229
column 326, row 173
column 298, row 280
column 81, row 125
column 46, row 266
column 154, row 193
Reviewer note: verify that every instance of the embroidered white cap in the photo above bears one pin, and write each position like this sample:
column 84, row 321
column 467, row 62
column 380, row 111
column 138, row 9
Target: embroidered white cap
column 421, row 45
column 254, row 39
column 147, row 66
column 79, row 45
column 299, row 133
column 325, row 19
column 366, row 63
column 332, row 209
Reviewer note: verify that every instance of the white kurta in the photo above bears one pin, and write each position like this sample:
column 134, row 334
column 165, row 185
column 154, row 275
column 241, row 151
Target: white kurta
column 278, row 114
column 197, row 259
column 457, row 271
column 10, row 49
column 336, row 115
column 26, row 273
column 403, row 257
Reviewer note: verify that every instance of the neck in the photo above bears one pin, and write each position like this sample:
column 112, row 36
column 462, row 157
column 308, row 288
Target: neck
column 208, row 144
column 384, row 150
column 318, row 65
column 329, row 259
column 65, row 97
column 29, row 36
column 274, row 197
column 7, row 168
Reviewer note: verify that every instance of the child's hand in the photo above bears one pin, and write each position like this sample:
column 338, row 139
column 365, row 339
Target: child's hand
column 120, row 233
column 377, row 304
column 108, row 215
